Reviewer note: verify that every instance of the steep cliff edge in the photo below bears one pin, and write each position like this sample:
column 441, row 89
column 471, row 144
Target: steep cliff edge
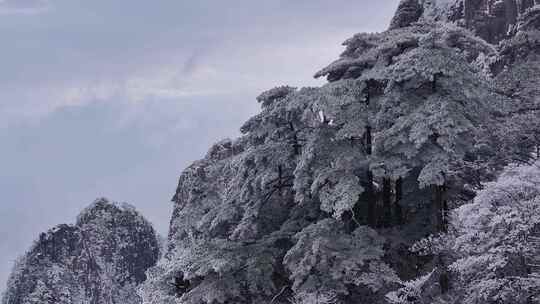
column 99, row 260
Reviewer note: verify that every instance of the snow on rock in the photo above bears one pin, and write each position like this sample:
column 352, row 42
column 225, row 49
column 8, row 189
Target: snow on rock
column 492, row 20
column 408, row 12
column 99, row 260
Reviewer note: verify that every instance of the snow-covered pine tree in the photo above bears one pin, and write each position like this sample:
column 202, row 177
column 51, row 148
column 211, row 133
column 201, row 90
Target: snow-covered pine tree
column 235, row 215
column 431, row 116
column 494, row 244
column 426, row 103
column 327, row 261
column 484, row 272
column 332, row 168
column 517, row 68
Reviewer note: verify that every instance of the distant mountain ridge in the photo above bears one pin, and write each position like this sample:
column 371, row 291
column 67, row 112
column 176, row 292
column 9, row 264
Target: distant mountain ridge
column 99, row 260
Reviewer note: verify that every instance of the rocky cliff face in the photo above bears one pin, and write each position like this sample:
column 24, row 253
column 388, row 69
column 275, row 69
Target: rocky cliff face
column 99, row 260
column 492, row 20
column 511, row 26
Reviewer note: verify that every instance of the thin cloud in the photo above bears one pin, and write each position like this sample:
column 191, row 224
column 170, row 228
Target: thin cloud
column 24, row 7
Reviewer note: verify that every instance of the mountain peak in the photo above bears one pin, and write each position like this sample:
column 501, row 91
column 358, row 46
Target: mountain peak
column 106, row 210
column 100, row 260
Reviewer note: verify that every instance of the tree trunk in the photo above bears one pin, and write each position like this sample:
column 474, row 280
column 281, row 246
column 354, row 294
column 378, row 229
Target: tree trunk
column 387, row 203
column 370, row 197
column 280, row 184
column 441, row 208
column 296, row 145
column 444, row 209
column 444, row 275
column 369, row 140
column 437, row 202
column 398, row 210
column 370, row 191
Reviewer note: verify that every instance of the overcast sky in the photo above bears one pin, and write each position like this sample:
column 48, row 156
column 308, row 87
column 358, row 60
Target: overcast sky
column 114, row 98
